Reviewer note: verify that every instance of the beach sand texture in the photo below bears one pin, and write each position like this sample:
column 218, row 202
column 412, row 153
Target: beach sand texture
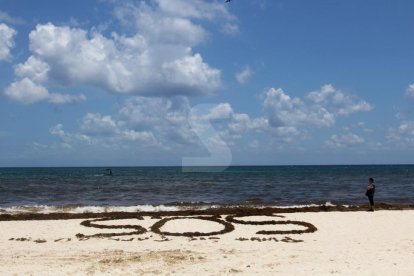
column 345, row 243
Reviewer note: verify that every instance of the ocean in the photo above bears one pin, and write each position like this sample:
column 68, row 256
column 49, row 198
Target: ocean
column 94, row 189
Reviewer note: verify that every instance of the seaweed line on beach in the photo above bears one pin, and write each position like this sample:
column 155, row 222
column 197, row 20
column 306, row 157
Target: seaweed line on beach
column 248, row 210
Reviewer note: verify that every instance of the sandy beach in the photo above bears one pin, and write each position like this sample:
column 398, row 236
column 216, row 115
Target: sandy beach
column 341, row 243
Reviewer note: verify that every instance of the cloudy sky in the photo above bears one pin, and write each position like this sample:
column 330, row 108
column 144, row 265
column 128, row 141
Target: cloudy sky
column 171, row 82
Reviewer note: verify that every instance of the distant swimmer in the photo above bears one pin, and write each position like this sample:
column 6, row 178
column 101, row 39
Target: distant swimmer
column 227, row 1
column 108, row 172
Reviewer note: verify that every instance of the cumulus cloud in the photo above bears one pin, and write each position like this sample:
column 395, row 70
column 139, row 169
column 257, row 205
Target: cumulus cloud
column 244, row 75
column 342, row 103
column 406, row 127
column 319, row 108
column 96, row 124
column 283, row 110
column 170, row 124
column 30, row 84
column 160, row 123
column 344, row 141
column 157, row 60
column 174, row 20
column 26, row 91
column 229, row 124
column 403, row 135
column 6, row 41
column 34, row 69
column 175, row 120
column 166, row 118
column 67, row 140
column 102, row 135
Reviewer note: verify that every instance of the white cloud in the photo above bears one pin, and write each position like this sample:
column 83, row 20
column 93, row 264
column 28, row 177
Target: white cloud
column 6, row 41
column 157, row 60
column 229, row 124
column 174, row 21
column 5, row 17
column 288, row 131
column 96, row 124
column 120, row 64
column 198, row 9
column 34, row 69
column 410, row 91
column 174, row 121
column 67, row 139
column 263, row 4
column 220, row 112
column 171, row 125
column 321, row 96
column 191, row 73
column 28, row 92
column 318, row 108
column 231, row 29
column 160, row 114
column 158, row 28
column 58, row 131
column 100, row 127
column 348, row 140
column 282, row 110
column 406, row 128
column 403, row 135
column 30, row 86
column 162, row 123
column 343, row 104
column 132, row 135
column 244, row 75
column 57, row 98
column 106, row 133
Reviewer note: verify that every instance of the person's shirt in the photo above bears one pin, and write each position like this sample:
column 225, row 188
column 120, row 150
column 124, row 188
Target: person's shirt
column 371, row 189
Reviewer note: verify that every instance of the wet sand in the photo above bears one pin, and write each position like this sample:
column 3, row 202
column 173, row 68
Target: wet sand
column 318, row 241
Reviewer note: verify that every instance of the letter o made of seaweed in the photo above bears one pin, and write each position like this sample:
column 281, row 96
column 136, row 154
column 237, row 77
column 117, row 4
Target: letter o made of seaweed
column 156, row 228
column 309, row 227
column 90, row 223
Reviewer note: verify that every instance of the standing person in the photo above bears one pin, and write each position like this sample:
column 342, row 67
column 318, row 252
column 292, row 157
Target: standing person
column 370, row 193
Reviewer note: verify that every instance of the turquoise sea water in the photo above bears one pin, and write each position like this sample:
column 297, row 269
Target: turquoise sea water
column 171, row 186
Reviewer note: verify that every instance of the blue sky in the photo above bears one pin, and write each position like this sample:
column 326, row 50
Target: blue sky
column 171, row 82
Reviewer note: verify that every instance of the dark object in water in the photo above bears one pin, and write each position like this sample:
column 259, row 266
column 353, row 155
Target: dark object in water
column 108, row 172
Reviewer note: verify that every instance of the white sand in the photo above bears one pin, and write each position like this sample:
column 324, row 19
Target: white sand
column 351, row 243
